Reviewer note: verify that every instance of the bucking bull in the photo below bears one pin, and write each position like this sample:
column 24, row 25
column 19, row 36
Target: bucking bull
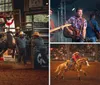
column 7, row 41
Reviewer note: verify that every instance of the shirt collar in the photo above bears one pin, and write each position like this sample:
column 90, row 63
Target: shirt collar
column 78, row 18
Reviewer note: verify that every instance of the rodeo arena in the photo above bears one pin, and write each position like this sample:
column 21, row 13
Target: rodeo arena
column 83, row 71
column 24, row 42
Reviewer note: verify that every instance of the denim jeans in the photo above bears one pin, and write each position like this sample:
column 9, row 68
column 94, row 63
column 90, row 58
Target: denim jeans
column 92, row 39
column 22, row 55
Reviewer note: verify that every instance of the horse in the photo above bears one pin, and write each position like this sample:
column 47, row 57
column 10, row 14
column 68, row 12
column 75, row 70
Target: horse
column 77, row 66
column 7, row 41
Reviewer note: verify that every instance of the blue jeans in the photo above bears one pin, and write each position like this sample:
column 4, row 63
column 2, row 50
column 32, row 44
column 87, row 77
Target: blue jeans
column 92, row 39
column 22, row 55
column 71, row 62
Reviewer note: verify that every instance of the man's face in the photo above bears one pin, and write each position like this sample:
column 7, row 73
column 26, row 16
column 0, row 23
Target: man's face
column 94, row 17
column 22, row 36
column 79, row 13
column 17, row 30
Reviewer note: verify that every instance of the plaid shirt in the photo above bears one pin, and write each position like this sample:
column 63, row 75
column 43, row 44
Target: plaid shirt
column 77, row 22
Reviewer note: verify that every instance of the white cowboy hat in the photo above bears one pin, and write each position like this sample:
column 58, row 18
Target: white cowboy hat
column 21, row 33
column 17, row 28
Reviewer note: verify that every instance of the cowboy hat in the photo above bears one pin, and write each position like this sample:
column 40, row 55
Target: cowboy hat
column 76, row 53
column 36, row 34
column 17, row 28
column 21, row 33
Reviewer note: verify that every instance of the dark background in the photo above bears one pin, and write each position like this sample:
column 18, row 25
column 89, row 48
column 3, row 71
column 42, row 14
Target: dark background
column 88, row 6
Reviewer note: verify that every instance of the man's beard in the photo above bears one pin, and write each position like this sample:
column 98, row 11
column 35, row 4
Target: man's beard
column 79, row 15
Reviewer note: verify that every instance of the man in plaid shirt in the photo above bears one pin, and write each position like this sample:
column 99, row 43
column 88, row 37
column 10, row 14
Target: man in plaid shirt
column 79, row 23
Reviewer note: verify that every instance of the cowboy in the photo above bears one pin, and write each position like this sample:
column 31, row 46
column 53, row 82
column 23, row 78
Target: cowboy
column 21, row 44
column 17, row 30
column 39, row 47
column 52, row 26
column 38, row 42
column 74, row 58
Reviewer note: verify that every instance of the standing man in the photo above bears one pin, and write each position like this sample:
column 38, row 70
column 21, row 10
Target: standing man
column 21, row 44
column 92, row 27
column 38, row 42
column 56, row 36
column 79, row 24
column 39, row 48
column 52, row 26
column 17, row 30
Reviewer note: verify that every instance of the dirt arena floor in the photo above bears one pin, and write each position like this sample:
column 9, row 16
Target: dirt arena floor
column 70, row 77
column 14, row 74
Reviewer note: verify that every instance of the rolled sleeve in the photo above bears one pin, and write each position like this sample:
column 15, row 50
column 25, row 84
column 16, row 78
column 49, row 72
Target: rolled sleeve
column 70, row 20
